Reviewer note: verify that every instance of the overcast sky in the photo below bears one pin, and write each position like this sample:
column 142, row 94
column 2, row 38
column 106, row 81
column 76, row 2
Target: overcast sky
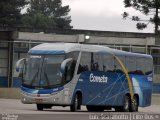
column 102, row 15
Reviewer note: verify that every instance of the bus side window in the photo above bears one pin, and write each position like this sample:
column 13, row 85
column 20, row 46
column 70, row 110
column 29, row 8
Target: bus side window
column 108, row 63
column 85, row 62
column 140, row 66
column 97, row 62
column 70, row 70
column 131, row 65
column 149, row 67
column 95, row 67
column 73, row 55
column 117, row 66
column 71, row 66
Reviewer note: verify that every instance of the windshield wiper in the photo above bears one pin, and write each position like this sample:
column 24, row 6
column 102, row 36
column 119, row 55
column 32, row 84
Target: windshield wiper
column 34, row 78
column 45, row 74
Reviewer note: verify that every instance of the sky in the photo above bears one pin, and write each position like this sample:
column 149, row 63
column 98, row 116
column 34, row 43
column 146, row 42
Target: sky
column 103, row 15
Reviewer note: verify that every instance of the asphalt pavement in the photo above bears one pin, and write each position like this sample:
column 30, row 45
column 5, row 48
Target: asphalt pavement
column 13, row 109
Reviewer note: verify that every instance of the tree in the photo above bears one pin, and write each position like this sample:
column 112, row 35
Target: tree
column 148, row 8
column 47, row 14
column 10, row 12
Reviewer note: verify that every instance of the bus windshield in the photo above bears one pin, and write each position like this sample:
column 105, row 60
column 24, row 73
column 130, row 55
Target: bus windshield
column 43, row 71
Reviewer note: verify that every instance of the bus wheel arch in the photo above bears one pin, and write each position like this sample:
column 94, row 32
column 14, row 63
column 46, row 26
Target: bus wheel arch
column 76, row 102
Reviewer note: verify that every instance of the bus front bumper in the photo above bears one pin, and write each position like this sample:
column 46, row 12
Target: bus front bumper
column 56, row 98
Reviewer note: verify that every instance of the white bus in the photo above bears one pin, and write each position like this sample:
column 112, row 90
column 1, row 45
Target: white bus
column 72, row 74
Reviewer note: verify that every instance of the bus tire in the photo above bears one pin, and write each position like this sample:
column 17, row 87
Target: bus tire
column 134, row 104
column 126, row 107
column 76, row 103
column 40, row 107
column 126, row 104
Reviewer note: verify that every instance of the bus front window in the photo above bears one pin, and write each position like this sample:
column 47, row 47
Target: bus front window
column 43, row 71
column 51, row 74
column 31, row 70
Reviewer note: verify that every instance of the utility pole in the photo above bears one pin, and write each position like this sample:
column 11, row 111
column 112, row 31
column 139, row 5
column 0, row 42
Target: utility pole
column 156, row 17
column 157, row 21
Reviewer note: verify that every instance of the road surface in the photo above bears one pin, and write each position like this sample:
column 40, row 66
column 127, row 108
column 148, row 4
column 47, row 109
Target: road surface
column 13, row 109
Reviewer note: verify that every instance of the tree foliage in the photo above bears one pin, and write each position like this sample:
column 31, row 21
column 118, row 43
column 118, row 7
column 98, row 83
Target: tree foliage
column 147, row 7
column 10, row 11
column 47, row 14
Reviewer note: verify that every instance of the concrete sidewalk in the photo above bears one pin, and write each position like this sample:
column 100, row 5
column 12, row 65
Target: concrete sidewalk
column 156, row 99
column 153, row 109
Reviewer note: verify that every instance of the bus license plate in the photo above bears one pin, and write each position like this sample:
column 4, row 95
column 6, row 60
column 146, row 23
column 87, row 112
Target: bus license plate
column 39, row 100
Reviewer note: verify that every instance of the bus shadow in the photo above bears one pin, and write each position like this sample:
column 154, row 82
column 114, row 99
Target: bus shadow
column 79, row 111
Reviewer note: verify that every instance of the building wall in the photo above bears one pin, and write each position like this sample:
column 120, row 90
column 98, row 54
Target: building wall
column 94, row 39
column 6, row 52
column 3, row 67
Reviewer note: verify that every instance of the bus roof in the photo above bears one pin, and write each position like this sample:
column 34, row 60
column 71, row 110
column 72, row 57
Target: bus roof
column 61, row 48
column 54, row 48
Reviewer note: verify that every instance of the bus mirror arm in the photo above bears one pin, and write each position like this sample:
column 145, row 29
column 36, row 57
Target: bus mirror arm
column 64, row 63
column 65, row 73
column 18, row 64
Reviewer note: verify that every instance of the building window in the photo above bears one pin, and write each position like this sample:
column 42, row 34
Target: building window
column 156, row 60
column 155, row 51
column 3, row 44
column 126, row 49
column 3, row 62
column 138, row 49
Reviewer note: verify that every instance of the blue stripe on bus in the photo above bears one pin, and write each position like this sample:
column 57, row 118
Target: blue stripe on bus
column 47, row 51
column 43, row 91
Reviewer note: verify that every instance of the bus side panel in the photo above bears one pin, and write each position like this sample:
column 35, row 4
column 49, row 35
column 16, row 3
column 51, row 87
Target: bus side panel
column 69, row 90
column 102, row 88
column 142, row 85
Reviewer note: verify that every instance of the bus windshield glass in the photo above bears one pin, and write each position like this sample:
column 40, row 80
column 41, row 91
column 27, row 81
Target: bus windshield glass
column 43, row 71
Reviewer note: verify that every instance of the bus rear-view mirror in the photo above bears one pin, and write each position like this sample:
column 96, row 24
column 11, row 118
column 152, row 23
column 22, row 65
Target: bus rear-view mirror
column 64, row 63
column 19, row 64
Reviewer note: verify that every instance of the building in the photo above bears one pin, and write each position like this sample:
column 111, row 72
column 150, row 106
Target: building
column 15, row 44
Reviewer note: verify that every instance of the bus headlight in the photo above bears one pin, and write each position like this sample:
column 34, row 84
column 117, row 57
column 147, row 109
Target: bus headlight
column 24, row 99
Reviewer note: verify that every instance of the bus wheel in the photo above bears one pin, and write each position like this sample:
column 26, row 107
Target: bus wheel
column 126, row 104
column 134, row 104
column 76, row 104
column 40, row 107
